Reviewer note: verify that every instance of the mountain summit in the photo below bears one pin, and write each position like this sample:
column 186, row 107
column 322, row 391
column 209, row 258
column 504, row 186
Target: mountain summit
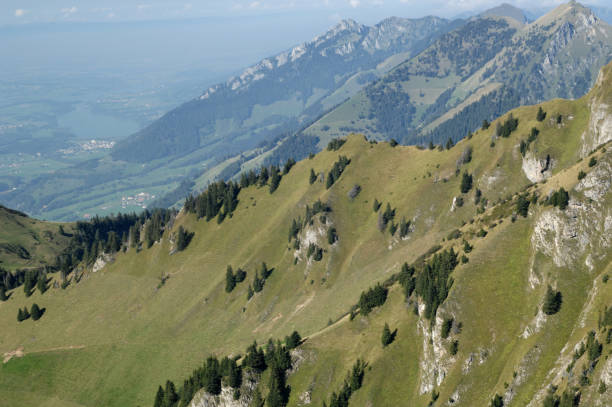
column 481, row 69
column 506, row 10
column 278, row 94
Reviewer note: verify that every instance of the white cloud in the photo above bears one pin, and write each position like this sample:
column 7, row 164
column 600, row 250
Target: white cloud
column 20, row 12
column 354, row 3
column 69, row 10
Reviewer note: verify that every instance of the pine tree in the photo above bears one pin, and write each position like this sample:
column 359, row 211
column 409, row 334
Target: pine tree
column 497, row 401
column 449, row 143
column 404, row 227
column 485, row 124
column 250, row 293
column 313, row 177
column 170, row 395
column 522, row 206
column 41, row 284
column 387, row 336
column 552, row 301
column 159, row 398
column 183, row 238
column 293, row 341
column 275, row 179
column 332, row 235
column 466, row 182
column 230, row 280
column 541, row 114
column 235, row 375
column 36, row 312
column 376, row 205
column 26, row 313
column 258, row 283
column 20, row 315
column 3, row 296
column 212, row 377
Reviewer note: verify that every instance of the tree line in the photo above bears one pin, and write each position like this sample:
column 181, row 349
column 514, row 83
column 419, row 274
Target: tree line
column 215, row 373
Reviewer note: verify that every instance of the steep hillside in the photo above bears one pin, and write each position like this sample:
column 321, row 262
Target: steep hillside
column 480, row 70
column 29, row 243
column 475, row 322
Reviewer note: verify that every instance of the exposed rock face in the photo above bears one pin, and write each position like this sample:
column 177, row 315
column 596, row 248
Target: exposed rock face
column 102, row 261
column 535, row 169
column 600, row 123
column 435, row 360
column 584, row 227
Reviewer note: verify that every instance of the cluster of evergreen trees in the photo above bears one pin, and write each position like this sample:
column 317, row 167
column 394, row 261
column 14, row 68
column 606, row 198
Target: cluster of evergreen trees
column 218, row 200
column 109, row 234
column 522, row 205
column 337, row 170
column 267, row 175
column 386, row 218
column 352, row 383
column 214, row 374
column 36, row 313
column 259, row 280
column 433, row 283
column 504, row 130
column 335, row 144
column 559, row 198
column 372, row 298
column 30, row 279
column 315, row 251
column 231, row 278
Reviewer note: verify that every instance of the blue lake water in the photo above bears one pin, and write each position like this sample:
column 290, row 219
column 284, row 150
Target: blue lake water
column 87, row 125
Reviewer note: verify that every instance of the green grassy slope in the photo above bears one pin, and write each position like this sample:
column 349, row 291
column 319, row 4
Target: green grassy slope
column 110, row 339
column 28, row 243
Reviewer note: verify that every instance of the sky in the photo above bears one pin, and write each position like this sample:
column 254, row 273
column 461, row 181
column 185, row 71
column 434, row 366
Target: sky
column 220, row 37
column 29, row 11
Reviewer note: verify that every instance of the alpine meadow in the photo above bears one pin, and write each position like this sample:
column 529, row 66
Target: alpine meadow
column 415, row 213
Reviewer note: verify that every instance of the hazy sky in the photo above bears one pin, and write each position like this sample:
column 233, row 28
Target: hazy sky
column 23, row 11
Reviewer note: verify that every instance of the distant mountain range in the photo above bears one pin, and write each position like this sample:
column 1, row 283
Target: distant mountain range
column 487, row 66
column 415, row 80
column 280, row 93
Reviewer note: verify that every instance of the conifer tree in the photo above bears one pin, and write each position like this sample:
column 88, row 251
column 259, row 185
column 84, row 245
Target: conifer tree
column 449, row 143
column 230, row 280
column 497, row 401
column 26, row 313
column 41, row 284
column 170, row 395
column 313, row 177
column 293, row 341
column 3, row 296
column 250, row 293
column 541, row 114
column 466, row 182
column 552, row 301
column 159, row 398
column 36, row 312
column 387, row 336
column 275, row 179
